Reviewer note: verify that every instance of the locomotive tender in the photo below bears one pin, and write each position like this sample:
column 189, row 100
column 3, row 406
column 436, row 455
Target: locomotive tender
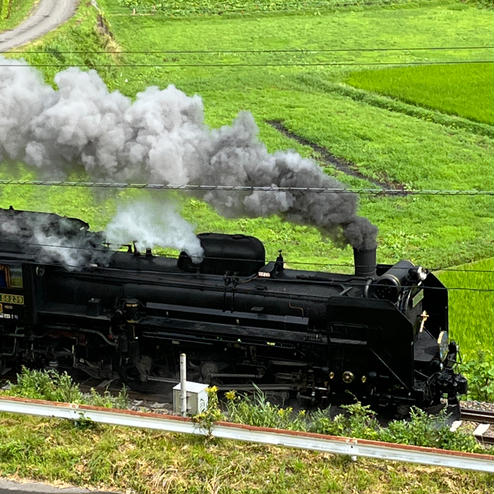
column 381, row 333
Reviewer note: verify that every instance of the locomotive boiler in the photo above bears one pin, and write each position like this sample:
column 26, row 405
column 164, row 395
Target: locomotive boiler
column 379, row 334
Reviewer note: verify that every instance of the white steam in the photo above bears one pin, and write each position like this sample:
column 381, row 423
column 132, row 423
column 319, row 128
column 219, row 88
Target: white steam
column 161, row 137
column 152, row 224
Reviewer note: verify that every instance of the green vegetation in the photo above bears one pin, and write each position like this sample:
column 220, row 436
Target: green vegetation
column 466, row 90
column 357, row 421
column 177, row 8
column 471, row 310
column 4, row 8
column 53, row 386
column 12, row 12
column 479, row 370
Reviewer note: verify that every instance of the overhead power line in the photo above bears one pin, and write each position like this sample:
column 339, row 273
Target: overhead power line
column 241, row 259
column 300, row 280
column 255, row 65
column 300, row 51
column 246, row 188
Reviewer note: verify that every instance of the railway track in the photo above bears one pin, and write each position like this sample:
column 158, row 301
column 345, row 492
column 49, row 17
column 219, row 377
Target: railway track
column 482, row 421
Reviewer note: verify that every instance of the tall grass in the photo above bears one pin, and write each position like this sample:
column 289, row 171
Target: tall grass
column 357, row 420
column 178, row 8
column 54, row 386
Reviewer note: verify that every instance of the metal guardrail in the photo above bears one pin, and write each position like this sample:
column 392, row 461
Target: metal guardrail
column 226, row 430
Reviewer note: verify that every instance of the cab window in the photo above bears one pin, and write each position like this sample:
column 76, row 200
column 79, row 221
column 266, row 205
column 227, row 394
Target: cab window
column 10, row 276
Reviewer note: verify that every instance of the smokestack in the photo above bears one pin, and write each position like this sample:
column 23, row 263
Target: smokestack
column 365, row 262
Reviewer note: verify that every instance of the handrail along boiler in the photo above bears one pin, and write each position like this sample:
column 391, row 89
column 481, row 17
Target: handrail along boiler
column 380, row 333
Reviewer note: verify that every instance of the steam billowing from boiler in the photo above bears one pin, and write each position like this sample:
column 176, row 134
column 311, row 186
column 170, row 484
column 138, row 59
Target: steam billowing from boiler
column 151, row 224
column 161, row 138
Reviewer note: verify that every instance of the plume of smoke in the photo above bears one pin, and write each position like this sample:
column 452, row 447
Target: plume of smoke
column 161, row 137
column 51, row 239
column 151, row 223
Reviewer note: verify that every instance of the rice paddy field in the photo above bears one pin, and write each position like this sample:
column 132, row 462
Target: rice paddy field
column 430, row 86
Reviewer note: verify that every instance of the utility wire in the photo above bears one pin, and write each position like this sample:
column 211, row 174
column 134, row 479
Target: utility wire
column 247, row 188
column 246, row 51
column 238, row 259
column 185, row 274
column 255, row 65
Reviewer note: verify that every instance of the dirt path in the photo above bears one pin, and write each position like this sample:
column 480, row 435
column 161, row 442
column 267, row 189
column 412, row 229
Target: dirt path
column 46, row 16
column 12, row 487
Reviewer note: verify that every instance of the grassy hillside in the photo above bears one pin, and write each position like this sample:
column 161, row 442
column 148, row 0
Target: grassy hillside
column 151, row 462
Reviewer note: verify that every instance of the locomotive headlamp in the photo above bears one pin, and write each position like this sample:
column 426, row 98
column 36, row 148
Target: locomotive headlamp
column 418, row 273
column 363, row 379
column 443, row 342
column 331, row 375
column 348, row 377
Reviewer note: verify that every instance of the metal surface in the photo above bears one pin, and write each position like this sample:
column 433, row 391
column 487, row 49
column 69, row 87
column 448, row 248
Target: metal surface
column 225, row 430
column 183, row 384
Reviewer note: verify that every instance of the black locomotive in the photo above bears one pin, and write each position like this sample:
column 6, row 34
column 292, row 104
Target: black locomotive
column 381, row 333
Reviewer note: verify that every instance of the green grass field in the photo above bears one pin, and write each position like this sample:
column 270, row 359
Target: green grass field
column 463, row 90
column 472, row 321
column 471, row 312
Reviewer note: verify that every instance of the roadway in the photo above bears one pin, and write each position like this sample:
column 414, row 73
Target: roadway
column 46, row 16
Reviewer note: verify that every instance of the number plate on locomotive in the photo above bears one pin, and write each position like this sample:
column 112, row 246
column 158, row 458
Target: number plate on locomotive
column 8, row 298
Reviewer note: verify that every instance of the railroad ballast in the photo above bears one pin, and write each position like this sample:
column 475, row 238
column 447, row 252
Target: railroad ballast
column 380, row 334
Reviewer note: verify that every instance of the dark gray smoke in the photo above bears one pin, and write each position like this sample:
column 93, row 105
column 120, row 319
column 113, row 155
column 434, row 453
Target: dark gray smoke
column 50, row 238
column 161, row 138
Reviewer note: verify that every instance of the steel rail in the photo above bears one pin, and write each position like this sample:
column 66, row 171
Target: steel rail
column 226, row 430
column 483, row 416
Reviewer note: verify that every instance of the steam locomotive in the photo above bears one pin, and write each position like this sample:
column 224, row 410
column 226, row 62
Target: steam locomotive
column 380, row 334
